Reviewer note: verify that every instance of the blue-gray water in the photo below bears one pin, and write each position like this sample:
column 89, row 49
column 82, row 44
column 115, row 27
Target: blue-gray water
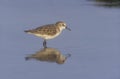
column 94, row 41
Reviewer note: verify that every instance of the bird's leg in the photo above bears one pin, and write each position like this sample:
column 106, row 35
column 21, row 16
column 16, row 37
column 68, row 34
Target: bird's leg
column 44, row 44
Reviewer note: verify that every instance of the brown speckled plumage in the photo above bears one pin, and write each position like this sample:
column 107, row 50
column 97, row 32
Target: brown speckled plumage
column 45, row 30
column 48, row 31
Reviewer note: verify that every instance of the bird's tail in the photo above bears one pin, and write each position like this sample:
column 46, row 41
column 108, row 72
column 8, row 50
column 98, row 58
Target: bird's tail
column 27, row 58
column 29, row 31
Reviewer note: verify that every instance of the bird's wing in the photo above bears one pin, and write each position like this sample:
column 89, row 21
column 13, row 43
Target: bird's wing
column 46, row 29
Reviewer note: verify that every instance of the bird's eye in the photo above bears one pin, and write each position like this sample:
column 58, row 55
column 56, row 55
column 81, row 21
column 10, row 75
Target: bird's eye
column 63, row 24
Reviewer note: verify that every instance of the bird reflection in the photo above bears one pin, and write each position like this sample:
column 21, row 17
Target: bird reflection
column 49, row 55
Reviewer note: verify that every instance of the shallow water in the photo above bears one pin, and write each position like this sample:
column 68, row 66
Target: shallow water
column 93, row 42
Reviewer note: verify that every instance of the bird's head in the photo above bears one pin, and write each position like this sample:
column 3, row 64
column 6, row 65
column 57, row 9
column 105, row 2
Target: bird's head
column 62, row 25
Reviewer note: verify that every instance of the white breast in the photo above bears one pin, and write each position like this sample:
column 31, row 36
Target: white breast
column 47, row 36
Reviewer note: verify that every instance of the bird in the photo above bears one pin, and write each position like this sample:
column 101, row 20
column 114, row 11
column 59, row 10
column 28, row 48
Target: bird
column 48, row 31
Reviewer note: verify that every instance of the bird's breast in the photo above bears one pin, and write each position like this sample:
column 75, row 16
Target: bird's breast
column 48, row 36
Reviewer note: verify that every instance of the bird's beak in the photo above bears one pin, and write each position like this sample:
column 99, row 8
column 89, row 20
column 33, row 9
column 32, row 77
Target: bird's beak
column 67, row 55
column 68, row 28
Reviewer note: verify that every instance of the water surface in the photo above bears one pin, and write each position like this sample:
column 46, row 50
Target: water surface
column 93, row 42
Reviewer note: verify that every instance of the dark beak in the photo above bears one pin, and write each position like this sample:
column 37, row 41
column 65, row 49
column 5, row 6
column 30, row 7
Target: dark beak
column 68, row 28
column 68, row 55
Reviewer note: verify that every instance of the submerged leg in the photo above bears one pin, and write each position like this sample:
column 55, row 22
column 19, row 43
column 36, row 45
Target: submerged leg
column 44, row 44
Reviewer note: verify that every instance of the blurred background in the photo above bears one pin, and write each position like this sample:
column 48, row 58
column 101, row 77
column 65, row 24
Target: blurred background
column 94, row 42
column 107, row 3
